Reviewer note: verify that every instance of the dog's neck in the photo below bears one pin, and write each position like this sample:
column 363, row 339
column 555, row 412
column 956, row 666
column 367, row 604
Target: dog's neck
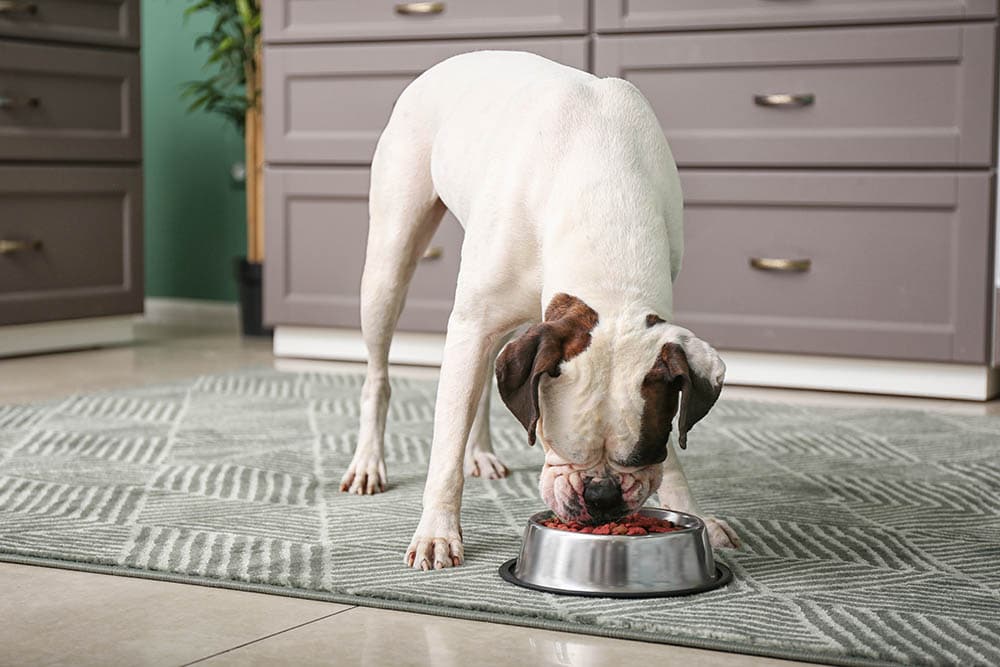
column 615, row 263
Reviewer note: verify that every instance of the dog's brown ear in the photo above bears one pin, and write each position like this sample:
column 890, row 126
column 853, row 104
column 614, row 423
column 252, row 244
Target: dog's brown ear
column 540, row 350
column 698, row 394
column 520, row 368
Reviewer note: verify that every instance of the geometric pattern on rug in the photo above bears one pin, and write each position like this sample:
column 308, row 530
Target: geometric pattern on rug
column 869, row 536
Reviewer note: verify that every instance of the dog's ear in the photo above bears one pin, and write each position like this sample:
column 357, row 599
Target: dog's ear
column 520, row 368
column 540, row 350
column 699, row 390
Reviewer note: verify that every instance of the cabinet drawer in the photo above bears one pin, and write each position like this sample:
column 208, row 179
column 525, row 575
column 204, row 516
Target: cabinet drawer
column 899, row 262
column 61, row 103
column 627, row 15
column 328, row 104
column 106, row 22
column 70, row 243
column 317, row 229
column 915, row 95
column 331, row 20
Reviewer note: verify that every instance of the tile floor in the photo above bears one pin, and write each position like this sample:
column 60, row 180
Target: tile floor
column 60, row 617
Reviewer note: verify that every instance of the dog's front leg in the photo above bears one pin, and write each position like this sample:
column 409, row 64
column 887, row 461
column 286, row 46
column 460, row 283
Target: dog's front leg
column 675, row 494
column 437, row 541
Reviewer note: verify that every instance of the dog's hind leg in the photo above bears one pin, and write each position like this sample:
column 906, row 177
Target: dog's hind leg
column 404, row 213
column 480, row 461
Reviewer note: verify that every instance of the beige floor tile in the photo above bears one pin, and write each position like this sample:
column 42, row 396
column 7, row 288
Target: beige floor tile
column 60, row 617
column 158, row 356
column 369, row 637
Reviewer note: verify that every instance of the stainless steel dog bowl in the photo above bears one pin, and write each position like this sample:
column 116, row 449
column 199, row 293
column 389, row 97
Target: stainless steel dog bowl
column 626, row 566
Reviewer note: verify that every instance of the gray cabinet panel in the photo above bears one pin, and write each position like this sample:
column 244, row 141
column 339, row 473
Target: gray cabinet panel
column 328, row 104
column 104, row 22
column 74, row 104
column 317, row 229
column 80, row 236
column 333, row 20
column 899, row 262
column 628, row 15
column 899, row 96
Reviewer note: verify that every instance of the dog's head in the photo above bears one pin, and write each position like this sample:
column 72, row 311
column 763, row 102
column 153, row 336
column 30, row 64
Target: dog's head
column 601, row 395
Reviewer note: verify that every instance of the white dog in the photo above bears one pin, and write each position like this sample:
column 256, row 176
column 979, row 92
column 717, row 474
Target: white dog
column 571, row 205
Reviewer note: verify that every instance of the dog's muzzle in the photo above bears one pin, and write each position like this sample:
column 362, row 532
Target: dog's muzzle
column 597, row 494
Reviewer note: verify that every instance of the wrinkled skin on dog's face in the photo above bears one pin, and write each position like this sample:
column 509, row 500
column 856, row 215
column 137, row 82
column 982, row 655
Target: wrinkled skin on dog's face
column 605, row 395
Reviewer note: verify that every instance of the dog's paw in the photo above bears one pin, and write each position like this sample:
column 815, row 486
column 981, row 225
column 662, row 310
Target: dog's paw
column 365, row 476
column 484, row 464
column 437, row 542
column 721, row 534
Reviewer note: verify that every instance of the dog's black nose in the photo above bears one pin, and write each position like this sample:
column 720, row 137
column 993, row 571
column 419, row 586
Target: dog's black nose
column 603, row 498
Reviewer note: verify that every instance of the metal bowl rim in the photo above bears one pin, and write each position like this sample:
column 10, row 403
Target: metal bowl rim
column 697, row 524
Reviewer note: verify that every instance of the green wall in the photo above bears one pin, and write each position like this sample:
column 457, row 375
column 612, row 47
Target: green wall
column 194, row 213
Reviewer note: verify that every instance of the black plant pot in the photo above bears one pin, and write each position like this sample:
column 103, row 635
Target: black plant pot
column 248, row 277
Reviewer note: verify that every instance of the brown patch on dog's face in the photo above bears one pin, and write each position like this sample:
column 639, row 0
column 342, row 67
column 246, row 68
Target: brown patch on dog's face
column 564, row 334
column 653, row 319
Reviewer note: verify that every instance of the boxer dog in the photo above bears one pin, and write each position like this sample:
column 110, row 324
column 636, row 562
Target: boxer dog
column 571, row 205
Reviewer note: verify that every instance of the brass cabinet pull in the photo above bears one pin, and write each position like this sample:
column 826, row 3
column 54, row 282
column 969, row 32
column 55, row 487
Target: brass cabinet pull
column 10, row 246
column 781, row 265
column 12, row 7
column 785, row 100
column 432, row 253
column 412, row 8
column 7, row 102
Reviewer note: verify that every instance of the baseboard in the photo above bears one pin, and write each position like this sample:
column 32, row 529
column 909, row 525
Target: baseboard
column 61, row 335
column 868, row 376
column 193, row 313
column 757, row 369
column 420, row 349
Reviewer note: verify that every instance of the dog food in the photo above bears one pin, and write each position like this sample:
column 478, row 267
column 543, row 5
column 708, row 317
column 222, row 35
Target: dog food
column 635, row 524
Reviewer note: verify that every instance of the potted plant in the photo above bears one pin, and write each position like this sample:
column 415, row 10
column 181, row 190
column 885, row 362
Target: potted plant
column 233, row 90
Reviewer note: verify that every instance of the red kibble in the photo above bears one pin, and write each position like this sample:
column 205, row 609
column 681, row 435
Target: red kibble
column 636, row 524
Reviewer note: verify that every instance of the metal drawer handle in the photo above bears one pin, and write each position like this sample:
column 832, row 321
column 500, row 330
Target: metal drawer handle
column 12, row 7
column 413, row 8
column 10, row 246
column 785, row 100
column 432, row 253
column 12, row 102
column 782, row 265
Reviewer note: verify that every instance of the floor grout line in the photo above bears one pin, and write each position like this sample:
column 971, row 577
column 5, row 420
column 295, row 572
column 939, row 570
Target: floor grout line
column 266, row 637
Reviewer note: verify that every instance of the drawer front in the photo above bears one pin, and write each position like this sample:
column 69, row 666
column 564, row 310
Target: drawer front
column 106, row 22
column 70, row 243
column 317, row 230
column 328, row 104
column 899, row 262
column 60, row 103
column 331, row 20
column 900, row 96
column 628, row 15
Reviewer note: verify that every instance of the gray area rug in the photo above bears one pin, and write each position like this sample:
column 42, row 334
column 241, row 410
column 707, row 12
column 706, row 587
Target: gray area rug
column 870, row 537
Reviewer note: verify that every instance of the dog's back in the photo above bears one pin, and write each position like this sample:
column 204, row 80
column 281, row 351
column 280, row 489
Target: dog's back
column 503, row 118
